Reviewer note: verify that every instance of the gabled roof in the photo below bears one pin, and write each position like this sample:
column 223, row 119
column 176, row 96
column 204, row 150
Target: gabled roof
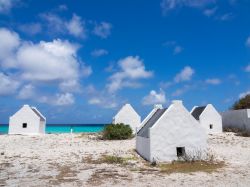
column 198, row 111
column 42, row 118
column 126, row 106
column 33, row 109
column 144, row 130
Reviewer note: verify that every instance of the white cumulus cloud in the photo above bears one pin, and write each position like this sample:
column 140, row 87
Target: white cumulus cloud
column 6, row 5
column 76, row 27
column 48, row 61
column 177, row 50
column 31, row 28
column 213, row 81
column 102, row 29
column 100, row 99
column 168, row 5
column 182, row 90
column 8, row 85
column 27, row 92
column 154, row 98
column 210, row 11
column 173, row 45
column 185, row 75
column 247, row 69
column 225, row 17
column 99, row 52
column 10, row 42
column 244, row 94
column 62, row 99
column 131, row 69
column 55, row 24
column 54, row 63
column 248, row 42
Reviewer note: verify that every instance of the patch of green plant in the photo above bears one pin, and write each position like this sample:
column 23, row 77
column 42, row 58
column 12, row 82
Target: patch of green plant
column 242, row 103
column 110, row 159
column 117, row 132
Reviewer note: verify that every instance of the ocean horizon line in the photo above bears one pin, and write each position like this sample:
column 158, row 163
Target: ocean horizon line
column 68, row 124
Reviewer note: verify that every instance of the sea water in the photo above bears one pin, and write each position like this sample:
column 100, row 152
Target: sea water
column 55, row 129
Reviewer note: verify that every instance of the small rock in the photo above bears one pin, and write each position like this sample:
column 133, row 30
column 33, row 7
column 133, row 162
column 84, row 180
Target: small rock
column 2, row 153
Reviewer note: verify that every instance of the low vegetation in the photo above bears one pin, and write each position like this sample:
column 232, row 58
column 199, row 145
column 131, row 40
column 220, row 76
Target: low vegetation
column 242, row 103
column 109, row 159
column 189, row 167
column 99, row 176
column 238, row 132
column 243, row 134
column 189, row 163
column 117, row 132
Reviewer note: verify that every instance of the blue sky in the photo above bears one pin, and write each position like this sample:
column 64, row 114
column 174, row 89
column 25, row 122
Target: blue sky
column 80, row 61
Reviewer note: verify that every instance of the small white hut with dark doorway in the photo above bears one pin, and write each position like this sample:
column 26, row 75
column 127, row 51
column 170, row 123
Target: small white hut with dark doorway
column 169, row 133
column 27, row 120
column 128, row 116
column 209, row 118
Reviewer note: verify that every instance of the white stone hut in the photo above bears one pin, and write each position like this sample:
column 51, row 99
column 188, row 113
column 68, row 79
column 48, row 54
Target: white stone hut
column 238, row 119
column 128, row 116
column 27, row 120
column 209, row 118
column 169, row 133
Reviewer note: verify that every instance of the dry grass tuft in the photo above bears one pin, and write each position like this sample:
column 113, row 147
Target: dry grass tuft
column 66, row 174
column 243, row 134
column 109, row 159
column 231, row 129
column 82, row 135
column 239, row 132
column 101, row 175
column 190, row 167
column 198, row 161
column 65, row 171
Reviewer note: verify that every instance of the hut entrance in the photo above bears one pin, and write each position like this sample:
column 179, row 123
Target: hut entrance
column 24, row 125
column 180, row 151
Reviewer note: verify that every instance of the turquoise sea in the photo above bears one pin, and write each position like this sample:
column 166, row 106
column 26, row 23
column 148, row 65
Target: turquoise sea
column 55, row 129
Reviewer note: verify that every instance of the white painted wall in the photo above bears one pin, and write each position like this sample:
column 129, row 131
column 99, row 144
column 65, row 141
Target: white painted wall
column 42, row 127
column 143, row 147
column 211, row 116
column 128, row 116
column 175, row 128
column 236, row 119
column 26, row 115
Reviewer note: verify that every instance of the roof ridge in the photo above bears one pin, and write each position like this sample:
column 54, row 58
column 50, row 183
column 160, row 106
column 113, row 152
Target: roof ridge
column 151, row 121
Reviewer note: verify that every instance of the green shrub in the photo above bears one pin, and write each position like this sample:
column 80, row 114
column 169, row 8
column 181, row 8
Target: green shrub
column 243, row 103
column 117, row 132
column 109, row 159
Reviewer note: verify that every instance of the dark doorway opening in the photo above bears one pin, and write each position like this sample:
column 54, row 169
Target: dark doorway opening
column 24, row 125
column 180, row 151
column 211, row 126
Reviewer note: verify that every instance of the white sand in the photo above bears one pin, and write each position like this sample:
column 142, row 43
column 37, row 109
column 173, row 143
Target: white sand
column 65, row 161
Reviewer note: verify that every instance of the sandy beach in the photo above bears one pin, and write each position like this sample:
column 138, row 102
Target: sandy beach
column 65, row 160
